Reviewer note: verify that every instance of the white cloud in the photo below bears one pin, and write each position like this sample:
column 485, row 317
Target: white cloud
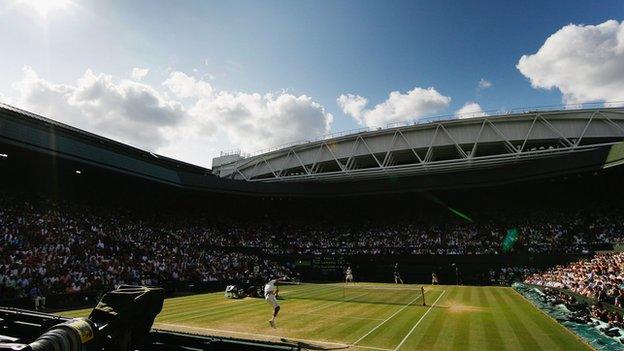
column 255, row 121
column 352, row 105
column 127, row 111
column 139, row 73
column 137, row 114
column 184, row 86
column 252, row 121
column 470, row 109
column 416, row 103
column 484, row 84
column 585, row 62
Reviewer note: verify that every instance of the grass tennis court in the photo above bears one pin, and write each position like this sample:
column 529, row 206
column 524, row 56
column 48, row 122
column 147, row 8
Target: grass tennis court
column 375, row 317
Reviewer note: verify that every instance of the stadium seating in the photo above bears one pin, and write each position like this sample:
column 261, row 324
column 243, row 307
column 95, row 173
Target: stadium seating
column 599, row 278
column 588, row 292
column 64, row 247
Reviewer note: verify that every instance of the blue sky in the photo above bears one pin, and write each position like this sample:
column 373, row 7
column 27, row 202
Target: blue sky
column 320, row 49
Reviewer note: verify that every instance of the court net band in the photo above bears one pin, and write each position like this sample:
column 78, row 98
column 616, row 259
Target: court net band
column 399, row 295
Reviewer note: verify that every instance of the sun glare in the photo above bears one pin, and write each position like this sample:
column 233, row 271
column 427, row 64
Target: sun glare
column 44, row 8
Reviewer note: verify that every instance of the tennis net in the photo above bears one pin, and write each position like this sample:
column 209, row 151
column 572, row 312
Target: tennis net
column 373, row 294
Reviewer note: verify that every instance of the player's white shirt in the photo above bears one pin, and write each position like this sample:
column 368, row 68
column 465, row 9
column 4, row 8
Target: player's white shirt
column 349, row 271
column 269, row 292
column 269, row 288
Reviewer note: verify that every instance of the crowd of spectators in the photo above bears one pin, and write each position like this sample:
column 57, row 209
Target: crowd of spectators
column 62, row 247
column 597, row 291
column 601, row 278
column 608, row 321
column 507, row 275
column 540, row 232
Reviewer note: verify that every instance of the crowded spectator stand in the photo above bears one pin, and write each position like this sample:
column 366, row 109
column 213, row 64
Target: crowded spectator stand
column 56, row 247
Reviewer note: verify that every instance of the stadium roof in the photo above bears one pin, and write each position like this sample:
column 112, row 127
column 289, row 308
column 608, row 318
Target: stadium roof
column 436, row 147
column 71, row 135
column 449, row 153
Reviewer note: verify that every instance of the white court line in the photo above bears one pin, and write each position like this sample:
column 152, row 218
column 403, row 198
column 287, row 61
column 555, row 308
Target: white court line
column 387, row 319
column 373, row 348
column 268, row 336
column 420, row 320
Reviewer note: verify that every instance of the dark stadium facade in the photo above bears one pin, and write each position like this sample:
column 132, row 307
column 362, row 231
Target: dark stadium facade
column 559, row 170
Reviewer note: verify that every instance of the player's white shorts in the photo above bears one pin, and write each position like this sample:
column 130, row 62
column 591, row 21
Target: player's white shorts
column 349, row 276
column 271, row 299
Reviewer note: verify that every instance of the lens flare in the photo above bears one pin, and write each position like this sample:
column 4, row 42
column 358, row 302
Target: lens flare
column 460, row 214
column 45, row 7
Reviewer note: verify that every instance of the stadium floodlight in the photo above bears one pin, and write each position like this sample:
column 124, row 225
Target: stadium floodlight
column 4, row 155
column 78, row 171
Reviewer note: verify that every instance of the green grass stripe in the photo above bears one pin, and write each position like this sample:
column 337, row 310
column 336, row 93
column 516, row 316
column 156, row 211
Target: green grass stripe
column 395, row 325
column 549, row 338
column 556, row 332
column 219, row 306
column 429, row 337
column 184, row 306
column 505, row 327
column 490, row 328
column 417, row 325
column 550, row 335
column 462, row 329
column 223, row 308
column 332, row 328
column 527, row 339
column 465, row 318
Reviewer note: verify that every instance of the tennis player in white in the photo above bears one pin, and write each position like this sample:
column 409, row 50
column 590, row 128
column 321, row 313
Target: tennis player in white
column 349, row 275
column 270, row 294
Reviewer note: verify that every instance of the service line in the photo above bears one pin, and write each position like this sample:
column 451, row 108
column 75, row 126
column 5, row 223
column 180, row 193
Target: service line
column 420, row 320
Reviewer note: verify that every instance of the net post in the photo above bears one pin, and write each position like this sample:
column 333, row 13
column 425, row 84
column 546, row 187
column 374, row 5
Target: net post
column 422, row 292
